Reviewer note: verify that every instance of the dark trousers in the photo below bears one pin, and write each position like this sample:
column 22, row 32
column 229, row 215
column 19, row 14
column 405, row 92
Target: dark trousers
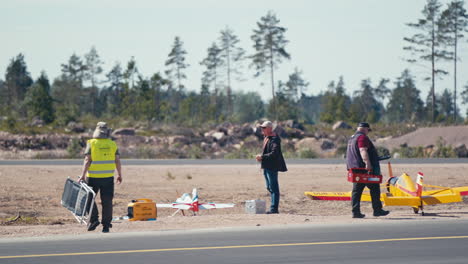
column 106, row 187
column 357, row 192
column 271, row 179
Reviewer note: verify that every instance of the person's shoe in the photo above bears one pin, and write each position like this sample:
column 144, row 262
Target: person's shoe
column 92, row 226
column 105, row 229
column 358, row 215
column 381, row 213
column 272, row 212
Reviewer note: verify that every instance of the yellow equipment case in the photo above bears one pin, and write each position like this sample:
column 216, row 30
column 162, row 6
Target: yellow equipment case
column 142, row 210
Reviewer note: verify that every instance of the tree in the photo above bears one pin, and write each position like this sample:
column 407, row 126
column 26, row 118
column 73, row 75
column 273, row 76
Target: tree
column 335, row 103
column 67, row 90
column 92, row 94
column 131, row 72
column 284, row 107
column 17, row 81
column 157, row 82
column 405, row 104
column 176, row 63
column 248, row 107
column 382, row 91
column 232, row 55
column 38, row 101
column 269, row 45
column 365, row 106
column 454, row 22
column 93, row 66
column 212, row 62
column 3, row 96
column 296, row 86
column 74, row 70
column 115, row 89
column 427, row 45
column 446, row 109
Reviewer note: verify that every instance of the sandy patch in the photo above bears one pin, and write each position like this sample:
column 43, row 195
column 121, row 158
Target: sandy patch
column 35, row 192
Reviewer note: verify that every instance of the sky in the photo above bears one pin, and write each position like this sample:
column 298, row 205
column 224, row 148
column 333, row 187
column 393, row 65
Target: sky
column 356, row 39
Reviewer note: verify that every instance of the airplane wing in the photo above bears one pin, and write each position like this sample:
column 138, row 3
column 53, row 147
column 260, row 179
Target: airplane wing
column 442, row 198
column 443, row 194
column 389, row 200
column 164, row 205
column 462, row 190
column 338, row 196
column 333, row 196
column 214, row 206
column 175, row 205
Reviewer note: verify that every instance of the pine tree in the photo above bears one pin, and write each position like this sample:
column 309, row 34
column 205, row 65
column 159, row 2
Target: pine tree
column 365, row 106
column 92, row 71
column 296, row 86
column 131, row 72
column 93, row 66
column 232, row 56
column 115, row 89
column 176, row 63
column 335, row 103
column 248, row 107
column 3, row 97
column 132, row 79
column 157, row 83
column 427, row 45
column 454, row 21
column 38, row 101
column 17, row 82
column 67, row 90
column 405, row 104
column 269, row 45
column 446, row 109
column 212, row 62
column 74, row 70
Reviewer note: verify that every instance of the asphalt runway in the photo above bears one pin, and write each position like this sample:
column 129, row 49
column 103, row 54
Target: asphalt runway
column 392, row 241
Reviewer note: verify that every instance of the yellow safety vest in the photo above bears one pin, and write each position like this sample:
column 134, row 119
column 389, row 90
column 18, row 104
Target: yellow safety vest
column 102, row 158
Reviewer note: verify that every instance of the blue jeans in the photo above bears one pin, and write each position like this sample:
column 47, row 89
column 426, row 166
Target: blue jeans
column 271, row 179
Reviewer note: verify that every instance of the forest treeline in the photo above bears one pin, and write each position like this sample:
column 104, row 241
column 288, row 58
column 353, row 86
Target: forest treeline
column 84, row 90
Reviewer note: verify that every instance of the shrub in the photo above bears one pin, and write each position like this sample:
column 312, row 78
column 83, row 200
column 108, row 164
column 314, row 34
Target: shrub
column 307, row 154
column 74, row 148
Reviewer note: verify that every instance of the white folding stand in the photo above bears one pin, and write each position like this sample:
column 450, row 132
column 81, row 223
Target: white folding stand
column 78, row 198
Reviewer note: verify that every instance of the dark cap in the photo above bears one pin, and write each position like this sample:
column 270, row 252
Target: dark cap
column 364, row 124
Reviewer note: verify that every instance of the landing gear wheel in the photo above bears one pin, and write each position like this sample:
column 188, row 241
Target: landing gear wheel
column 416, row 210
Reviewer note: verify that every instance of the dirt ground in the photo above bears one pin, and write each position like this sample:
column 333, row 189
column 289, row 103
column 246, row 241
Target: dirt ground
column 33, row 194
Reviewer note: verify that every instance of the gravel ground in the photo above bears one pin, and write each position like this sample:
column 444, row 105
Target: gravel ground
column 33, row 193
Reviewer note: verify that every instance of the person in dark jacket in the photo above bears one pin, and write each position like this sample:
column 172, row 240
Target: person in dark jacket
column 272, row 161
column 361, row 153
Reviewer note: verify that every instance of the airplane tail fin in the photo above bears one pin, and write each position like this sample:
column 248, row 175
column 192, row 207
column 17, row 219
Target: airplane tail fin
column 195, row 200
column 419, row 184
column 194, row 195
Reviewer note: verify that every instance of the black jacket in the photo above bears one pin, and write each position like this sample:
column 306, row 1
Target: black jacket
column 272, row 157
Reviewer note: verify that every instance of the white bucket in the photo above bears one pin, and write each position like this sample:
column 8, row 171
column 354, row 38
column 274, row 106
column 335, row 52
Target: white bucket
column 255, row 206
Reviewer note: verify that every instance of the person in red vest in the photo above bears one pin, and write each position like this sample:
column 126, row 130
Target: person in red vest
column 361, row 153
column 101, row 160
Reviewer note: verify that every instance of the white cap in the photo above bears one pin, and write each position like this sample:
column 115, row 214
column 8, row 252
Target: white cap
column 267, row 124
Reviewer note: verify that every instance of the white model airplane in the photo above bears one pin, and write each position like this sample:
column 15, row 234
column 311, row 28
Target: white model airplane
column 190, row 202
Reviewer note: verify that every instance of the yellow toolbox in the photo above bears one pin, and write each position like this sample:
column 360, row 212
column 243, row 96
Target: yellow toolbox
column 142, row 210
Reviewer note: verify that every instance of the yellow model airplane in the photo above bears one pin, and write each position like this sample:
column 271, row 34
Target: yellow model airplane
column 402, row 191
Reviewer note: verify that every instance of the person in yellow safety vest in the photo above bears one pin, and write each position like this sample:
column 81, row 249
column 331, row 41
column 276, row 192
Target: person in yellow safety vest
column 102, row 158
